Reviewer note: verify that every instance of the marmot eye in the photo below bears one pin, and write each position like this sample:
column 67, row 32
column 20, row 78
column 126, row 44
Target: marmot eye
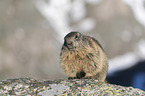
column 76, row 37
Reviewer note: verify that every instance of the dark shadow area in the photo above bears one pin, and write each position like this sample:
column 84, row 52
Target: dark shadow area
column 134, row 76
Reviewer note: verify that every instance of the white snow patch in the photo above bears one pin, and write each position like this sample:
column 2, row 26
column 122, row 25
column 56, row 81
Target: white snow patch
column 138, row 9
column 129, row 59
column 56, row 13
column 86, row 25
column 122, row 62
column 93, row 1
column 78, row 10
column 60, row 14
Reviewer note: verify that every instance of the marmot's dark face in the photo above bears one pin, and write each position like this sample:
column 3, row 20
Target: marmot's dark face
column 72, row 40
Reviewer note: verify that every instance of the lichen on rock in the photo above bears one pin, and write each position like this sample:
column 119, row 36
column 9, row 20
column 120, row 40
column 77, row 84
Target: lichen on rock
column 85, row 87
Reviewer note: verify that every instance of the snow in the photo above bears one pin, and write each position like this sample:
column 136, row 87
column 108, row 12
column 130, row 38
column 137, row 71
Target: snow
column 77, row 11
column 56, row 14
column 122, row 62
column 128, row 59
column 131, row 58
column 86, row 25
column 59, row 15
column 138, row 9
column 93, row 1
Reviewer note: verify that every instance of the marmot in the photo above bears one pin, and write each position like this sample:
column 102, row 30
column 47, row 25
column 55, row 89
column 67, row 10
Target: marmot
column 83, row 57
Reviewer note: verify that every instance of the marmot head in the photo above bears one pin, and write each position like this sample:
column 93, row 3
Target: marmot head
column 73, row 40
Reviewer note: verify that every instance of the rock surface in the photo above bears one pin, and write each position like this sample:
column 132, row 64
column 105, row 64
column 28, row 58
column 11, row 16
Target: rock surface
column 28, row 86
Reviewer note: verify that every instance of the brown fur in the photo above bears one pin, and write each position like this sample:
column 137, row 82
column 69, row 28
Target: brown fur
column 83, row 57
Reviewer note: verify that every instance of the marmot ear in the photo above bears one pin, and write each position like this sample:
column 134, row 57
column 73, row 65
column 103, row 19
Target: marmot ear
column 77, row 35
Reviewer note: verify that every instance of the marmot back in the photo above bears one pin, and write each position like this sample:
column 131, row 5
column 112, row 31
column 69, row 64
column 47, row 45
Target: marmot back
column 83, row 57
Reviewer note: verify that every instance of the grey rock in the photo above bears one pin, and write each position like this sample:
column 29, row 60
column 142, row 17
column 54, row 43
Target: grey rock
column 77, row 87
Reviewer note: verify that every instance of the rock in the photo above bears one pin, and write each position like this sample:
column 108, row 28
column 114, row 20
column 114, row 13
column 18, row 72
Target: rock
column 79, row 87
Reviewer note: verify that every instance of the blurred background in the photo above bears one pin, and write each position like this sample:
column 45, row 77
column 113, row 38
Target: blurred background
column 32, row 31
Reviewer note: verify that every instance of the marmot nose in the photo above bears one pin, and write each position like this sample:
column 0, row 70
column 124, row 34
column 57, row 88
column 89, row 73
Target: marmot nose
column 69, row 45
